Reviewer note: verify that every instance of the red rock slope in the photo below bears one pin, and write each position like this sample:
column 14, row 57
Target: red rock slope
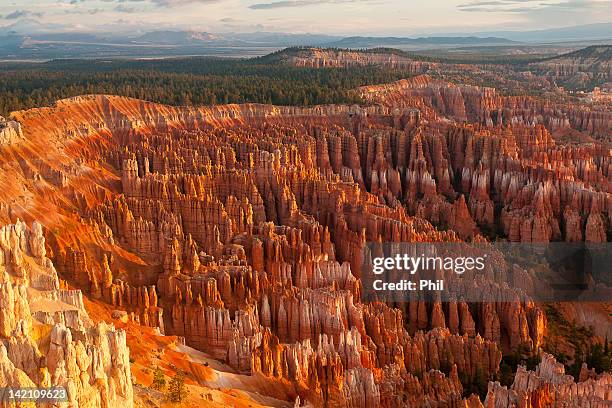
column 240, row 229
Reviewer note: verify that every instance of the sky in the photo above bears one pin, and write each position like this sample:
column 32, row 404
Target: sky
column 337, row 17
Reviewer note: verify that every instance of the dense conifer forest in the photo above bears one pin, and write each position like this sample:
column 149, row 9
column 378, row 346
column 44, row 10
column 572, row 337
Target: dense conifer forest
column 184, row 81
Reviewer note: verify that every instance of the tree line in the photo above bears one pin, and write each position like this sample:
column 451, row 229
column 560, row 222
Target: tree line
column 186, row 81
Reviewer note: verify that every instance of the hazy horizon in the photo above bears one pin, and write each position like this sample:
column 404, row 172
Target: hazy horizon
column 332, row 17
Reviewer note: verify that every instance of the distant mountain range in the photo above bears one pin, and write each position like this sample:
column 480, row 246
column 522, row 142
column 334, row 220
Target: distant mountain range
column 30, row 39
column 178, row 37
column 375, row 42
column 30, row 26
column 600, row 31
column 281, row 39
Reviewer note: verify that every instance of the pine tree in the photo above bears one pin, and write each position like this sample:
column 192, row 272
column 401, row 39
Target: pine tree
column 159, row 380
column 481, row 383
column 176, row 389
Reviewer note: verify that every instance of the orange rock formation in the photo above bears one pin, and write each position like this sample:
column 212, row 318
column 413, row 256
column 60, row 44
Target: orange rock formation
column 240, row 229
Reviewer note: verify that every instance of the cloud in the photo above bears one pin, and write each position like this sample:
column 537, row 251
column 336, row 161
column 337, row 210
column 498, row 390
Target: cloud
column 22, row 13
column 164, row 3
column 494, row 3
column 92, row 11
column 528, row 6
column 581, row 4
column 158, row 3
column 174, row 3
column 125, row 9
column 495, row 6
column 229, row 20
column 299, row 3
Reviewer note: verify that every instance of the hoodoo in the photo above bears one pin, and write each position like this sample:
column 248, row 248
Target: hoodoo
column 223, row 245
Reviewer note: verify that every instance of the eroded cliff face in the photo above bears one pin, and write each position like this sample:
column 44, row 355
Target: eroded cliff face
column 549, row 386
column 46, row 337
column 240, row 228
column 580, row 69
column 329, row 58
column 485, row 106
column 10, row 132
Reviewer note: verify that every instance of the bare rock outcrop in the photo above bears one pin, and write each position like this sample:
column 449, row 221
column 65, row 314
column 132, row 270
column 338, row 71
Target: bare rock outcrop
column 91, row 362
column 549, row 385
